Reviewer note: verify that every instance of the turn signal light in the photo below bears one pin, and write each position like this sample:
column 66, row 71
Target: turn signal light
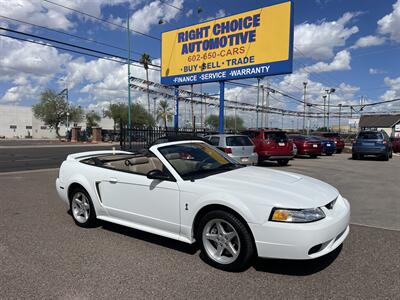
column 280, row 215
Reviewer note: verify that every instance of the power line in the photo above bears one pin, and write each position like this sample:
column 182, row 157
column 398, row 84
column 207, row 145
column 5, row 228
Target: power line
column 70, row 50
column 72, row 45
column 102, row 20
column 71, row 35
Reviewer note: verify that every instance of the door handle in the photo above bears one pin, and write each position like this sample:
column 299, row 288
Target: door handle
column 113, row 180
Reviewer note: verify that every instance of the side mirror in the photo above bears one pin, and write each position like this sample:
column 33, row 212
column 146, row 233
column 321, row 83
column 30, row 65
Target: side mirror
column 158, row 175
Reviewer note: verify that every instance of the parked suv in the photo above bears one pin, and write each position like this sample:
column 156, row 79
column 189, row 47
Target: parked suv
column 335, row 138
column 239, row 147
column 372, row 143
column 271, row 144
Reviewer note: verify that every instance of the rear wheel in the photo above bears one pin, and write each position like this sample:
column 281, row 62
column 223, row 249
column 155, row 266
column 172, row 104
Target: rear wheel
column 391, row 154
column 355, row 156
column 225, row 241
column 313, row 155
column 283, row 162
column 82, row 209
column 339, row 151
column 385, row 157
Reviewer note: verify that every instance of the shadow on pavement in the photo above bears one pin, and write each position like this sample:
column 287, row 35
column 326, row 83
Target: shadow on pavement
column 151, row 238
column 296, row 267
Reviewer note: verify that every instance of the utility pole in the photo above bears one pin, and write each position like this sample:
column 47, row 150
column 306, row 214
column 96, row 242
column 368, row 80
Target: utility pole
column 262, row 106
column 282, row 121
column 324, row 96
column 129, row 83
column 305, row 105
column 192, row 105
column 267, row 105
column 329, row 92
column 340, row 114
column 258, row 99
column 235, row 112
column 201, row 106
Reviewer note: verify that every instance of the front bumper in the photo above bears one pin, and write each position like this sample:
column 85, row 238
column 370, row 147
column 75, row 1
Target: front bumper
column 294, row 241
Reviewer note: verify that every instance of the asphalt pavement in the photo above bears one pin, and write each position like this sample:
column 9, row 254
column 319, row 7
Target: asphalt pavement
column 43, row 254
column 21, row 156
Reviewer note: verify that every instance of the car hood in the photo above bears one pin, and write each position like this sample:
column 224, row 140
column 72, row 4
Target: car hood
column 272, row 187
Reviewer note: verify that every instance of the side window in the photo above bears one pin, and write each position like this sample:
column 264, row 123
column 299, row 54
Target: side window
column 251, row 134
column 214, row 140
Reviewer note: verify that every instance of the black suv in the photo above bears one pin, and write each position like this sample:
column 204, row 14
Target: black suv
column 372, row 143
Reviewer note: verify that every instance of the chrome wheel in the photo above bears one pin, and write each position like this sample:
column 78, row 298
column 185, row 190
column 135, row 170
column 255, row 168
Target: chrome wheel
column 80, row 207
column 221, row 241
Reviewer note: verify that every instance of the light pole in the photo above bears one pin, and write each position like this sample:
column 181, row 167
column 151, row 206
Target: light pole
column 329, row 92
column 324, row 96
column 129, row 83
column 305, row 105
column 340, row 114
column 262, row 106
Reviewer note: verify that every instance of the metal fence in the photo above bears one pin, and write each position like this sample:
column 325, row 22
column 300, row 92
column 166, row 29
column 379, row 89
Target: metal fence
column 141, row 138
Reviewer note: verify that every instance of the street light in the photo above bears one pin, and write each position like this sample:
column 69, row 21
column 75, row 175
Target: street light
column 305, row 105
column 324, row 96
column 340, row 114
column 329, row 92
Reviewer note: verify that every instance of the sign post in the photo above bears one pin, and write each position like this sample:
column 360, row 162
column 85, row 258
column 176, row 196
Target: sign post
column 221, row 106
column 176, row 117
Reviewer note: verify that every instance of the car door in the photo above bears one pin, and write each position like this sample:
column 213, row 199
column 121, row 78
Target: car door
column 135, row 198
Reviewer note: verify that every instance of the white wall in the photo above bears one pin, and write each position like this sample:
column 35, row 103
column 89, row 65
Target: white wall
column 22, row 116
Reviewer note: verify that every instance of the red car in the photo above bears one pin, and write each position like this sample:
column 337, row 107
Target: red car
column 271, row 144
column 334, row 137
column 396, row 145
column 307, row 145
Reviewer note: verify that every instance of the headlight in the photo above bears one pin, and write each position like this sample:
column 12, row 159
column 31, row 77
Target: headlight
column 296, row 215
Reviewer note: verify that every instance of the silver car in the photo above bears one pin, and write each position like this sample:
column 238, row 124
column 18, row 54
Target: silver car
column 239, row 147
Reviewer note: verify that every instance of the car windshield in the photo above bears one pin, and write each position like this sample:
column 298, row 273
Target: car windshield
column 369, row 136
column 197, row 160
column 276, row 136
column 239, row 140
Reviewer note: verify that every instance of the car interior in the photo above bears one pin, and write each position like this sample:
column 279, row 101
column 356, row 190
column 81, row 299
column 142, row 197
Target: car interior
column 138, row 164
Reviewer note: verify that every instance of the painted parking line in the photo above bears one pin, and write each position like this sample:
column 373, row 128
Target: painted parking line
column 28, row 171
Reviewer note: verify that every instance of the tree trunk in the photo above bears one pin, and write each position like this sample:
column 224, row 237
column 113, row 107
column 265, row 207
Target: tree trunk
column 148, row 92
column 165, row 123
column 57, row 131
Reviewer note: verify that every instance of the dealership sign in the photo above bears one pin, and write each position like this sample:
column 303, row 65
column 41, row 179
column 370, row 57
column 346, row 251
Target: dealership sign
column 251, row 44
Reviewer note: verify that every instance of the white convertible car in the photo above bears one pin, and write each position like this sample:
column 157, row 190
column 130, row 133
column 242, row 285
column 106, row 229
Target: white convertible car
column 191, row 191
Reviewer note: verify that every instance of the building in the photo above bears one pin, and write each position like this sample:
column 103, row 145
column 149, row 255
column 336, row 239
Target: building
column 19, row 122
column 386, row 122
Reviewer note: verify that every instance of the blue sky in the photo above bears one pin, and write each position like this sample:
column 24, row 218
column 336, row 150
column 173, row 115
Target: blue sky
column 352, row 45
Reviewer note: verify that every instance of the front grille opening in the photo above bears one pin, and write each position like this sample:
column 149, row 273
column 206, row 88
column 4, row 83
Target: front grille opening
column 315, row 249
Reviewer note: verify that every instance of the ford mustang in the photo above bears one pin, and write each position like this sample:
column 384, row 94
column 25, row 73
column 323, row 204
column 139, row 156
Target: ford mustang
column 193, row 192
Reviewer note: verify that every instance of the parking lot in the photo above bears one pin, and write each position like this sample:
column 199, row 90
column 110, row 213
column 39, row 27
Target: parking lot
column 43, row 254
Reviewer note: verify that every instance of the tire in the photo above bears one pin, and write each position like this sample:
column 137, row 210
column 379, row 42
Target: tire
column 391, row 154
column 83, row 214
column 329, row 154
column 283, row 162
column 385, row 157
column 338, row 151
column 354, row 156
column 235, row 236
column 313, row 155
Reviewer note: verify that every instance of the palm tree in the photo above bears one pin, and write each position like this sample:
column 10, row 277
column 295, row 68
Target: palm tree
column 164, row 112
column 145, row 61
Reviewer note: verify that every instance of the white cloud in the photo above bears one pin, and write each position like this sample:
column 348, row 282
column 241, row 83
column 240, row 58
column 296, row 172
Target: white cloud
column 189, row 13
column 31, row 60
column 390, row 23
column 17, row 94
column 220, row 14
column 368, row 41
column 373, row 71
column 340, row 62
column 318, row 41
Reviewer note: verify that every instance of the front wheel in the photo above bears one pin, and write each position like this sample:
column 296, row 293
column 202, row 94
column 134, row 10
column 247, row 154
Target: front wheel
column 225, row 241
